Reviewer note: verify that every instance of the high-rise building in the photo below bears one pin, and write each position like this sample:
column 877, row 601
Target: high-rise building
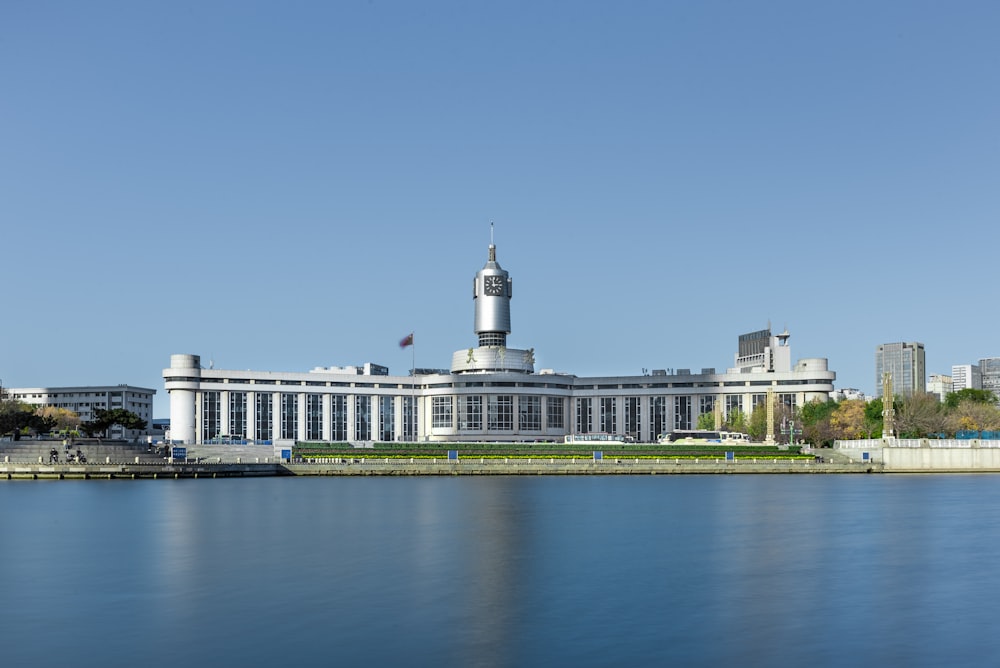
column 905, row 361
column 989, row 370
column 966, row 377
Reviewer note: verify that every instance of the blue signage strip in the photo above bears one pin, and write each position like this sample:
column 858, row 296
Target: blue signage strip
column 598, row 454
column 178, row 453
column 453, row 454
column 730, row 456
column 286, row 454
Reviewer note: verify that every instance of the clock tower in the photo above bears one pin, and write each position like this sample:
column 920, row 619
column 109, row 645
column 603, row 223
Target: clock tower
column 491, row 293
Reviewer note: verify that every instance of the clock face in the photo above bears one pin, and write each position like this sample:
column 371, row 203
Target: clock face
column 493, row 285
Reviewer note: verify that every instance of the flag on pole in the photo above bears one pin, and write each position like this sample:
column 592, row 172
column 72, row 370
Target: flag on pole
column 407, row 340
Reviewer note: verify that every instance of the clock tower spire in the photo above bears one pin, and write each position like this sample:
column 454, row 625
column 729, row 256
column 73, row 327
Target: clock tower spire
column 492, row 289
column 491, row 293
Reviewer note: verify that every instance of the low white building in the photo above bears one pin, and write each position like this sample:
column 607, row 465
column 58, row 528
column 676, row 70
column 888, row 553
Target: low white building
column 84, row 400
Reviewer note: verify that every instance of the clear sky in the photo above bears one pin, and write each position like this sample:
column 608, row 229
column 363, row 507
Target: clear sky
column 284, row 185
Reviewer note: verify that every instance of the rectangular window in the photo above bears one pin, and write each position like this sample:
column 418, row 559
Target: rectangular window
column 682, row 412
column 633, row 418
column 264, row 404
column 500, row 416
column 314, row 417
column 658, row 408
column 734, row 405
column 409, row 419
column 211, row 408
column 386, row 419
column 555, row 413
column 338, row 417
column 289, row 416
column 473, row 413
column 529, row 413
column 238, row 415
column 609, row 418
column 362, row 417
column 706, row 404
column 583, row 415
column 787, row 399
column 441, row 412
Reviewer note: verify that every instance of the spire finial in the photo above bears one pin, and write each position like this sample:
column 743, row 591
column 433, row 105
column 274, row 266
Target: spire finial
column 493, row 249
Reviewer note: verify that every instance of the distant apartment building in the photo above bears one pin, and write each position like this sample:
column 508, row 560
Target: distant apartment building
column 989, row 370
column 940, row 385
column 966, row 377
column 848, row 394
column 906, row 363
column 86, row 399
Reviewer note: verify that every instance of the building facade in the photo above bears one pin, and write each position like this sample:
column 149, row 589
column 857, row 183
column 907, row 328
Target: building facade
column 85, row 400
column 906, row 363
column 939, row 384
column 989, row 374
column 490, row 393
column 966, row 377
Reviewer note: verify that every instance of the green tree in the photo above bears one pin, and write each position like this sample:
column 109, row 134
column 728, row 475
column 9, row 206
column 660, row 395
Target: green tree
column 873, row 418
column 17, row 418
column 706, row 421
column 737, row 421
column 105, row 419
column 953, row 399
column 815, row 418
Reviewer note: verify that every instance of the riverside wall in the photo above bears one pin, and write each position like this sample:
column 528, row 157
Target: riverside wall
column 404, row 467
column 898, row 455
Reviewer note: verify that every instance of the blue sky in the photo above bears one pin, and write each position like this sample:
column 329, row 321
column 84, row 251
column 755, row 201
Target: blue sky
column 282, row 185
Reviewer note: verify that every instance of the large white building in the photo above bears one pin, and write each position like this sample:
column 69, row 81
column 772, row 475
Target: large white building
column 491, row 393
column 84, row 400
column 966, row 377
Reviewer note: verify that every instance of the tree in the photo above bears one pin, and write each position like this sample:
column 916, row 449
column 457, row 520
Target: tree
column 974, row 415
column 706, row 421
column 737, row 421
column 920, row 415
column 63, row 419
column 953, row 399
column 815, row 418
column 848, row 420
column 17, row 417
column 105, row 419
column 873, row 418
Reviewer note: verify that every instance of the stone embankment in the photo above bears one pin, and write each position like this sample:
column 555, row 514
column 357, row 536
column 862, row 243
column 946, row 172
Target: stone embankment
column 397, row 467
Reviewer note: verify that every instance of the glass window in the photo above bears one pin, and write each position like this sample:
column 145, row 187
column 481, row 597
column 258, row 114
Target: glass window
column 500, row 413
column 362, row 418
column 473, row 413
column 529, row 413
column 289, row 416
column 264, row 405
column 338, row 417
column 554, row 407
column 211, row 407
column 609, row 418
column 314, row 417
column 238, row 415
column 441, row 412
column 583, row 415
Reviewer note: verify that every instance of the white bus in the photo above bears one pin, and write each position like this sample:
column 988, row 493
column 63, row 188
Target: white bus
column 681, row 436
column 598, row 439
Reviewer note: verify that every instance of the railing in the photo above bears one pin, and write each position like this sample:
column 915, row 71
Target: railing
column 943, row 443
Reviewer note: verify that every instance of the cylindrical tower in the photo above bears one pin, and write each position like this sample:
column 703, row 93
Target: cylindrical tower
column 182, row 380
column 491, row 292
